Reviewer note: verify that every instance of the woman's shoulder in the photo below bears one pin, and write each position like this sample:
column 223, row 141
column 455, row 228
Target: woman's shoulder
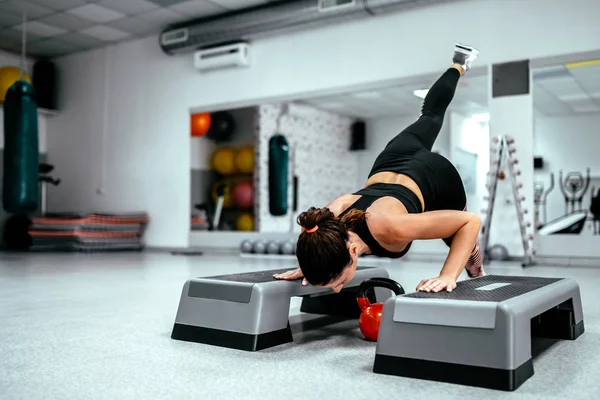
column 383, row 216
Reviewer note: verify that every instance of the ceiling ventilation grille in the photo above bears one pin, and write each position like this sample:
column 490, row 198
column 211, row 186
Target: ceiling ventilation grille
column 275, row 18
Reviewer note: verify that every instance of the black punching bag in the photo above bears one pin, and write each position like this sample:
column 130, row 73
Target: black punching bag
column 20, row 180
column 278, row 175
column 44, row 82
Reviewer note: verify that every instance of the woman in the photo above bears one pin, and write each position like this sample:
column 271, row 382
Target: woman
column 411, row 194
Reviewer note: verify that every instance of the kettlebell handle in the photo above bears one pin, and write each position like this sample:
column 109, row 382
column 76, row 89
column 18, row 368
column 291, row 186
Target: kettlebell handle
column 387, row 283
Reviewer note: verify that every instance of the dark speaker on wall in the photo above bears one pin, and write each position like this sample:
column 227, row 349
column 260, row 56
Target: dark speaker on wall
column 510, row 79
column 538, row 163
column 44, row 82
column 358, row 140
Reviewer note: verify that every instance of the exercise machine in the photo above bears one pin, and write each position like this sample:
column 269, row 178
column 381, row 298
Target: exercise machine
column 540, row 197
column 573, row 188
column 595, row 210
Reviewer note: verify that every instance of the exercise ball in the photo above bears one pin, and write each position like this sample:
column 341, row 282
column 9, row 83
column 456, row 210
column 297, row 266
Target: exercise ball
column 8, row 76
column 498, row 252
column 272, row 247
column 223, row 161
column 244, row 222
column 199, row 124
column 288, row 247
column 222, row 127
column 259, row 247
column 244, row 159
column 227, row 199
column 243, row 194
column 246, row 246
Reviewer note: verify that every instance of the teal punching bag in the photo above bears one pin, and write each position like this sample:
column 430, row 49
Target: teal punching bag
column 278, row 175
column 20, row 194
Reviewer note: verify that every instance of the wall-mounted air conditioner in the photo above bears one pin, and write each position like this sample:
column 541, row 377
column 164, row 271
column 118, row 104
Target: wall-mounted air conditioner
column 228, row 56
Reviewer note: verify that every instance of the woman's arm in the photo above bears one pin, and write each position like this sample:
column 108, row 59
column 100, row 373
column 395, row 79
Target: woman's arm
column 462, row 225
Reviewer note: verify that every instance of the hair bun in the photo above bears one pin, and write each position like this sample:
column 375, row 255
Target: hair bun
column 315, row 216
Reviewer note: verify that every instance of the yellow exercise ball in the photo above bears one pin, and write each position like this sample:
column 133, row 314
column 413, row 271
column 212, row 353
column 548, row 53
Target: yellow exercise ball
column 227, row 198
column 245, row 222
column 8, row 76
column 223, row 161
column 244, row 159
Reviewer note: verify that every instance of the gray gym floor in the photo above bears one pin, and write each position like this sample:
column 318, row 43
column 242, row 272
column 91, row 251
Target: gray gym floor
column 79, row 326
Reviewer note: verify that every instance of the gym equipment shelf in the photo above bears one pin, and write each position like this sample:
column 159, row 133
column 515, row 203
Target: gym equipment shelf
column 504, row 151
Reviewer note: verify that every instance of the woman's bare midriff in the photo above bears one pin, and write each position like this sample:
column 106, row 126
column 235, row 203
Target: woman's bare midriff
column 384, row 205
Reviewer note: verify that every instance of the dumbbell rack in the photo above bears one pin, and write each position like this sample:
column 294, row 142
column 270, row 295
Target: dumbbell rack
column 504, row 157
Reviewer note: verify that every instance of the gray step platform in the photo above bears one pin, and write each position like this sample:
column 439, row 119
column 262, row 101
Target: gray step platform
column 249, row 311
column 480, row 333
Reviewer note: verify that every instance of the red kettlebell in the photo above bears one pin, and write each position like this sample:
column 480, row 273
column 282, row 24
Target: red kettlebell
column 370, row 318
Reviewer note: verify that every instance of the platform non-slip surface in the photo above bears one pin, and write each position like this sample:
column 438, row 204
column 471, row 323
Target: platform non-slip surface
column 253, row 277
column 76, row 326
column 490, row 288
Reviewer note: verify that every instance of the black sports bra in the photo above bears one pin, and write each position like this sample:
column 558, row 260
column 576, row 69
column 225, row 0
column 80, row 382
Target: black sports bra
column 368, row 196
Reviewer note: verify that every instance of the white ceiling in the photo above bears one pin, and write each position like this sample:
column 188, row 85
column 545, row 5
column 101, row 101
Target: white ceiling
column 60, row 27
column 557, row 90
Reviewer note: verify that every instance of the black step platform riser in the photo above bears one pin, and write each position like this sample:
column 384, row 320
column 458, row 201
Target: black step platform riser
column 489, row 378
column 232, row 340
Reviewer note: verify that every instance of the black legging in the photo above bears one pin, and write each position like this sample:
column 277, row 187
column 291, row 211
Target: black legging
column 410, row 153
column 434, row 107
column 435, row 104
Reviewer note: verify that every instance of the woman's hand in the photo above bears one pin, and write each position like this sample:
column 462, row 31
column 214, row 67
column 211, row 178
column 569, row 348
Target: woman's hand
column 437, row 284
column 292, row 275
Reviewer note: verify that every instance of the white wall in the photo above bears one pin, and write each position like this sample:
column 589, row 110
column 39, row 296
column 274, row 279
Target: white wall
column 472, row 137
column 336, row 58
column 121, row 141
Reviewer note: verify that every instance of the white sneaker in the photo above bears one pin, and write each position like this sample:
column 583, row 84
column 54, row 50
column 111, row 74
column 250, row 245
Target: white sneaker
column 464, row 55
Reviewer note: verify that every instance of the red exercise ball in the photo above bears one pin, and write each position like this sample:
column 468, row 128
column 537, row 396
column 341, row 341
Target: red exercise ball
column 200, row 124
column 243, row 194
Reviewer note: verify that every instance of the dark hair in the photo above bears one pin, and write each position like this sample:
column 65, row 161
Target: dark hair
column 323, row 254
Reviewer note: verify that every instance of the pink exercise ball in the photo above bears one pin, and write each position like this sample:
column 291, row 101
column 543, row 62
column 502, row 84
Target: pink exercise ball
column 243, row 194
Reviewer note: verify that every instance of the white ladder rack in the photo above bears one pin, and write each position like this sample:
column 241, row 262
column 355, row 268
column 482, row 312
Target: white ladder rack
column 502, row 155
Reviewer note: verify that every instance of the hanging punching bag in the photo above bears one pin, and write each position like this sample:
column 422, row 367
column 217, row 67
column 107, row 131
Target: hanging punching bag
column 278, row 175
column 20, row 193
